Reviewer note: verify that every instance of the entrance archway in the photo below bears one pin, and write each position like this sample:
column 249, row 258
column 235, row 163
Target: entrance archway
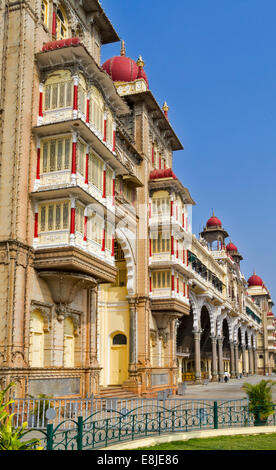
column 118, row 358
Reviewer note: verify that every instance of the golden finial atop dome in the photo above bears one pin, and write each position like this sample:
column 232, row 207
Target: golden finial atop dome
column 165, row 107
column 123, row 48
column 140, row 61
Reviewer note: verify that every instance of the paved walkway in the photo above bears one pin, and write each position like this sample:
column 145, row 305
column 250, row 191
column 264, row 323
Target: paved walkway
column 230, row 390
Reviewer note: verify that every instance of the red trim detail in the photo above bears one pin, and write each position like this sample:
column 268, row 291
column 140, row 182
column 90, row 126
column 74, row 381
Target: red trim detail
column 85, row 228
column 54, row 24
column 150, row 283
column 177, row 248
column 104, row 137
column 114, row 141
column 172, row 245
column 112, row 245
column 188, row 291
column 172, row 282
column 160, row 162
column 184, row 289
column 86, row 168
column 50, row 46
column 40, row 111
column 104, row 184
column 72, row 222
column 183, row 217
column 171, row 208
column 75, row 102
column 187, row 257
column 113, row 192
column 38, row 164
column 152, row 155
column 36, row 225
column 177, row 285
column 87, row 110
column 103, row 241
column 74, row 157
column 150, row 247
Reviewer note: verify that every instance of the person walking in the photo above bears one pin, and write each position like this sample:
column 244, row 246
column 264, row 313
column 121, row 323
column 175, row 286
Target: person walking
column 226, row 376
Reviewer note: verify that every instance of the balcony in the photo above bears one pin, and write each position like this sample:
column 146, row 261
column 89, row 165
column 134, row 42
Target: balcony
column 166, row 221
column 167, row 301
column 87, row 133
column 73, row 259
column 167, row 260
column 71, row 52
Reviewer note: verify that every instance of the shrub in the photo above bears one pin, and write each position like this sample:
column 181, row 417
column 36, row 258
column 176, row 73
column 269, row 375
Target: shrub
column 10, row 437
column 260, row 400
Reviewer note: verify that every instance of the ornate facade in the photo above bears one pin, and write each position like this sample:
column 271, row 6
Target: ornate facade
column 102, row 281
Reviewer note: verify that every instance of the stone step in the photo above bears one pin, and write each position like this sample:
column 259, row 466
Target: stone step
column 115, row 391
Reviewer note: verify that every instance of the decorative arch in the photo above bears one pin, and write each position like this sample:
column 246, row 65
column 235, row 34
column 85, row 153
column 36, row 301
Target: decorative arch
column 124, row 237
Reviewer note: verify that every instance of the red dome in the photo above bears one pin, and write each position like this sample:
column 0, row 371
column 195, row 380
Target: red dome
column 231, row 247
column 213, row 222
column 121, row 69
column 255, row 281
column 270, row 314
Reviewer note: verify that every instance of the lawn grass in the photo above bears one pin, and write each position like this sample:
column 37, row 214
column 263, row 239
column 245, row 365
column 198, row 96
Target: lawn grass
column 245, row 442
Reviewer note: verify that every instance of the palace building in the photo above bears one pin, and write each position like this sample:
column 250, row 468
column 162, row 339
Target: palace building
column 103, row 286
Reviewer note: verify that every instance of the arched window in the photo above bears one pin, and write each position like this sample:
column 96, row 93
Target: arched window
column 119, row 339
column 58, row 90
column 36, row 340
column 62, row 24
column 69, row 343
column 96, row 111
column 44, row 12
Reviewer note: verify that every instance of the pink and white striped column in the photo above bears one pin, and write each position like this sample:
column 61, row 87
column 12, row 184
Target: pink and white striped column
column 104, row 181
column 74, row 158
column 86, row 165
column 85, row 226
column 72, row 221
column 88, row 109
column 105, row 124
column 36, row 224
column 40, row 106
column 113, row 188
column 75, row 96
column 114, row 137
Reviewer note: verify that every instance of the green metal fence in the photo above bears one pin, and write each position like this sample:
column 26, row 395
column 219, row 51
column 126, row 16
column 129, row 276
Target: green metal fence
column 93, row 433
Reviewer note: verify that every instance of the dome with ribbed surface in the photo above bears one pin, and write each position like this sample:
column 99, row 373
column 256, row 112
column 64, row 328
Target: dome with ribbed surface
column 231, row 247
column 121, row 69
column 255, row 281
column 213, row 222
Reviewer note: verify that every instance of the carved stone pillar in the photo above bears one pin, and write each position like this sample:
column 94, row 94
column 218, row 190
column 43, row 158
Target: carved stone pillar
column 197, row 334
column 232, row 360
column 214, row 359
column 132, row 336
column 255, row 361
column 236, row 351
column 220, row 356
column 243, row 360
column 250, row 360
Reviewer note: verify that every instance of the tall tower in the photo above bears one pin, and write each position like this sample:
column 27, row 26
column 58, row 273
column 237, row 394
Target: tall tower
column 214, row 234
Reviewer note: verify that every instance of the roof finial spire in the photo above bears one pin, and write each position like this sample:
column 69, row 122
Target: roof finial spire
column 123, row 48
column 140, row 61
column 165, row 109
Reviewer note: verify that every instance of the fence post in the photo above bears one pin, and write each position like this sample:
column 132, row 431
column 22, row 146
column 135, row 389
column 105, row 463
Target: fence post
column 50, row 435
column 80, row 433
column 215, row 415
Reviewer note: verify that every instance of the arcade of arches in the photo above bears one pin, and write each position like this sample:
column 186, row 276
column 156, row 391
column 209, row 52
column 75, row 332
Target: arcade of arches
column 210, row 343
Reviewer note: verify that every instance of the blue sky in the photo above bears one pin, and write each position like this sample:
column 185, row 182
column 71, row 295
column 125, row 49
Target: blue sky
column 214, row 63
